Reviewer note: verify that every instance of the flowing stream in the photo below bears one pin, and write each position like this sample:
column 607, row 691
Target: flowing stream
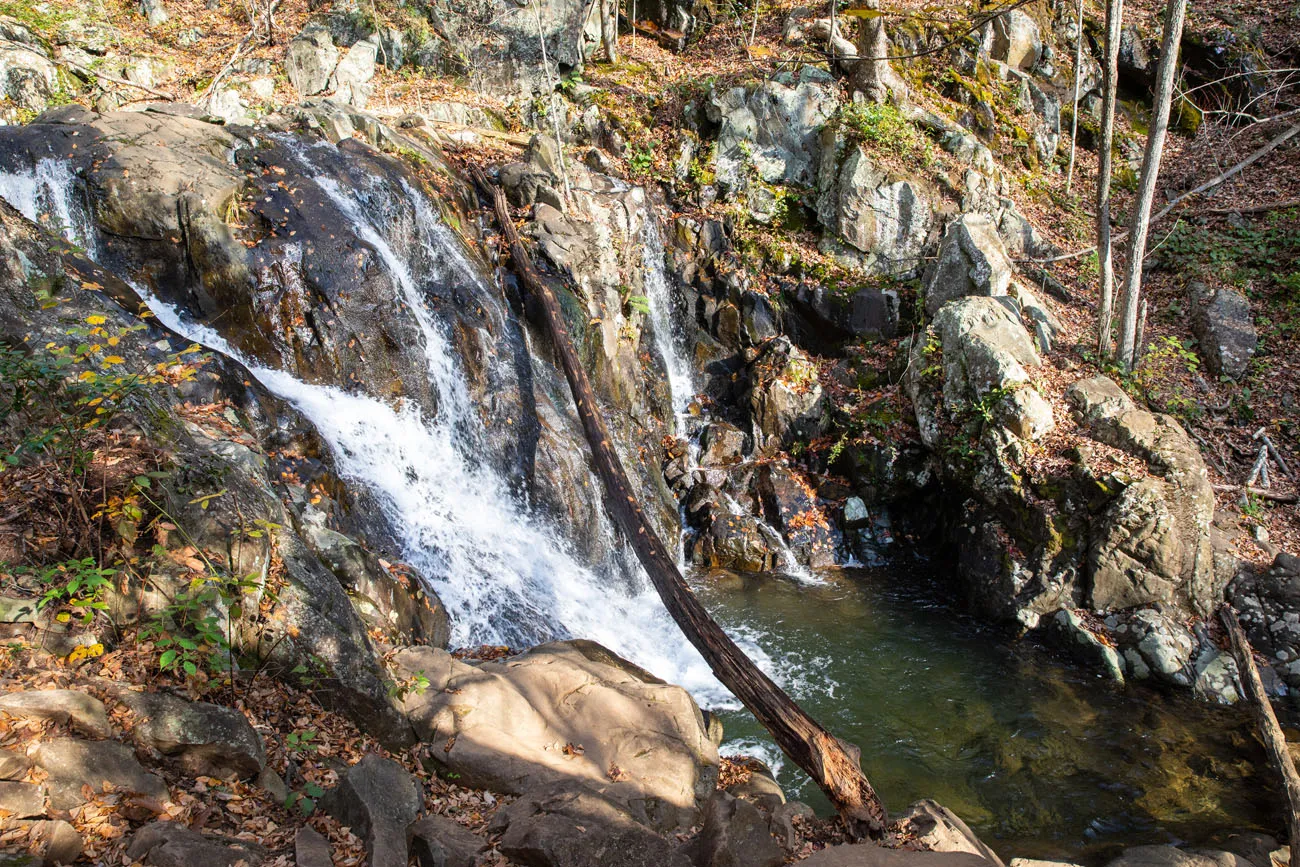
column 1042, row 759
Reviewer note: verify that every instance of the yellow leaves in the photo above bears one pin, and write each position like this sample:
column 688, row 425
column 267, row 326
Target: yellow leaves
column 87, row 376
column 110, row 360
column 86, row 651
column 114, row 341
column 90, row 286
column 96, row 319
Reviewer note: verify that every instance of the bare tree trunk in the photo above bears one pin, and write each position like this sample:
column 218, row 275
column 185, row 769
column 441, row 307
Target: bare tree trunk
column 1074, row 114
column 873, row 76
column 1270, row 732
column 1105, row 262
column 830, row 762
column 609, row 28
column 1140, row 222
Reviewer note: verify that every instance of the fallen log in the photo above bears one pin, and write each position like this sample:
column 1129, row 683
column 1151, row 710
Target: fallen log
column 1261, row 493
column 1269, row 730
column 832, row 763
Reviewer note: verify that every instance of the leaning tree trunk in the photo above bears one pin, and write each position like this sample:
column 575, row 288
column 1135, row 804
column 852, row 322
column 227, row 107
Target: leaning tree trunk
column 1140, row 222
column 1105, row 262
column 830, row 762
column 874, row 76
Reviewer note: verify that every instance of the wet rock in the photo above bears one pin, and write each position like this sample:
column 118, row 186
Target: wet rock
column 86, row 714
column 729, row 538
column 436, row 841
column 734, row 834
column 310, row 60
column 1157, row 645
column 170, row 844
column 312, row 849
column 1072, row 633
column 889, row 218
column 1225, row 328
column 972, row 261
column 1216, row 675
column 73, row 763
column 871, row 855
column 22, row 800
column 378, row 800
column 722, row 445
column 790, row 505
column 772, row 128
column 570, row 825
column 568, row 710
column 785, row 396
column 938, row 828
column 205, row 739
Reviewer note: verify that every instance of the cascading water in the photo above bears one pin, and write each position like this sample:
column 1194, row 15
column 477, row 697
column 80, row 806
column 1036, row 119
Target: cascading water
column 504, row 576
column 46, row 195
column 668, row 336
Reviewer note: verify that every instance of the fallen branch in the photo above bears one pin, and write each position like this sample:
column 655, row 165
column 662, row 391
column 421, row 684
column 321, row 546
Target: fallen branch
column 1269, row 730
column 1260, row 468
column 115, row 80
column 1253, row 209
column 1273, row 452
column 830, row 762
column 1271, row 496
column 1272, row 145
column 509, row 137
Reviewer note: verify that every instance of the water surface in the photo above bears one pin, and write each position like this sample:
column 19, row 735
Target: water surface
column 1042, row 758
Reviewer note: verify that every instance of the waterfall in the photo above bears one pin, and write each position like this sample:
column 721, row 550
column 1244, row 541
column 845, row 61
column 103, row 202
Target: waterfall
column 47, row 195
column 669, row 339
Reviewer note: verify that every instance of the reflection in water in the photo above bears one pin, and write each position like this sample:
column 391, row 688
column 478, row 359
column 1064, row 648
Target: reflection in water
column 1042, row 759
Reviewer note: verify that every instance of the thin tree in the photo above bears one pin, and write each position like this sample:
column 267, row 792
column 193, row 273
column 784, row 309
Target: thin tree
column 1078, row 82
column 1109, row 90
column 1140, row 221
column 609, row 28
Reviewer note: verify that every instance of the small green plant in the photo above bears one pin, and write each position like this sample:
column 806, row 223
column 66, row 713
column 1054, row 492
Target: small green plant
column 569, row 82
column 79, row 584
column 301, row 741
column 639, row 304
column 1158, row 378
column 885, row 127
column 641, row 160
column 304, row 801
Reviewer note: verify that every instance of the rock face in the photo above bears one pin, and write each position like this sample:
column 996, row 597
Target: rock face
column 1225, row 328
column 28, row 78
column 972, row 261
column 1014, row 39
column 734, row 834
column 565, row 711
column 771, row 130
column 889, row 217
column 785, row 397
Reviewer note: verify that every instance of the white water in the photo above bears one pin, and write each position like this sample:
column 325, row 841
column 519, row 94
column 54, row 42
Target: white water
column 45, row 195
column 668, row 337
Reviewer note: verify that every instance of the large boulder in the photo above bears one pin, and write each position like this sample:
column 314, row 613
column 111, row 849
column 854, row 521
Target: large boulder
column 310, row 60
column 378, row 800
column 1153, row 543
column 888, row 217
column 1014, row 38
column 972, row 261
column 785, row 397
column 569, row 710
column 205, row 739
column 1225, row 328
column 28, row 78
column 171, row 844
column 351, row 77
column 734, row 834
column 570, row 825
column 772, row 129
column 436, row 841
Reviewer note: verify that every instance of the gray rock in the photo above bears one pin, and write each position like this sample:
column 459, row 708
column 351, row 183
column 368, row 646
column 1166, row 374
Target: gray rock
column 378, row 800
column 781, row 823
column 206, row 739
column 18, row 610
column 1080, row 641
column 27, row 76
column 759, row 788
column 227, row 105
column 1225, row 328
column 86, row 714
column 734, row 834
column 153, row 12
column 564, row 711
column 785, row 396
column 1137, row 554
column 312, row 849
column 310, row 60
column 938, row 828
column 890, row 218
column 352, row 75
column 169, row 844
column 436, row 841
column 722, row 445
column 22, row 800
column 1164, row 856
column 772, row 128
column 972, row 261
column 1164, row 645
column 54, row 841
column 570, row 825
column 856, row 513
column 871, row 855
column 14, row 765
column 1135, row 60
column 73, row 763
column 1014, row 39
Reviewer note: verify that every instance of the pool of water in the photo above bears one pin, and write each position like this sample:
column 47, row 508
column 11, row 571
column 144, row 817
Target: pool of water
column 1042, row 758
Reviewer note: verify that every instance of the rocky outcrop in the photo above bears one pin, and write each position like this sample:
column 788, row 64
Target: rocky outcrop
column 569, row 711
column 785, row 396
column 972, row 261
column 1224, row 328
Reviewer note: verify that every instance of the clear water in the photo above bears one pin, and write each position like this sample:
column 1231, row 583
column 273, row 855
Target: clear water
column 1040, row 758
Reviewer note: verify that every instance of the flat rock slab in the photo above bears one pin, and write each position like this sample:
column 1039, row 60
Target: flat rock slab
column 871, row 855
column 167, row 844
column 311, row 849
column 206, row 739
column 22, row 800
column 73, row 763
column 86, row 714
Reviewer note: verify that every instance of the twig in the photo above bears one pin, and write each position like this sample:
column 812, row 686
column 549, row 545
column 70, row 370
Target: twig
column 1272, row 496
column 1269, row 730
column 114, row 80
column 1258, row 467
